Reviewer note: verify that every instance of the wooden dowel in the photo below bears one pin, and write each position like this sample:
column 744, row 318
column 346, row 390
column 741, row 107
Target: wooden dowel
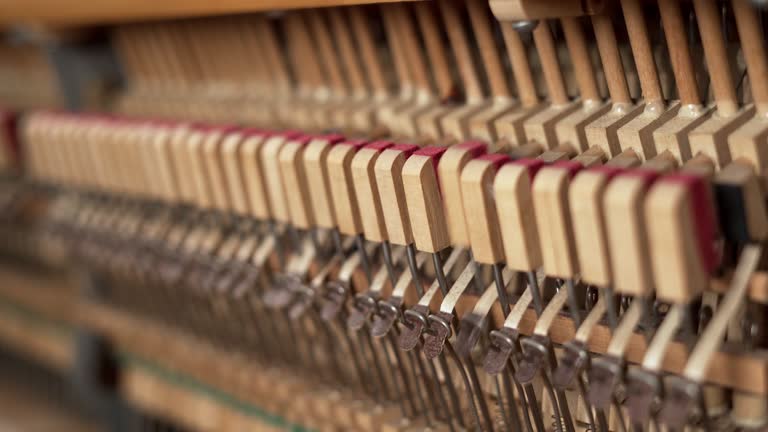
column 642, row 52
column 482, row 25
column 374, row 70
column 349, row 57
column 130, row 60
column 305, row 56
column 521, row 67
column 396, row 46
column 438, row 59
column 196, row 34
column 146, row 50
column 142, row 51
column 210, row 46
column 310, row 70
column 581, row 59
column 716, row 56
column 175, row 72
column 249, row 37
column 179, row 45
column 302, row 74
column 611, row 59
column 227, row 42
column 274, row 61
column 411, row 48
column 132, row 48
column 679, row 53
column 245, row 71
column 326, row 52
column 460, row 45
column 753, row 47
column 553, row 75
column 311, row 53
column 225, row 47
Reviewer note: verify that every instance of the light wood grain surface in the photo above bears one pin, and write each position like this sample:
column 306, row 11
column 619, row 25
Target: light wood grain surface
column 389, row 182
column 72, row 12
column 422, row 194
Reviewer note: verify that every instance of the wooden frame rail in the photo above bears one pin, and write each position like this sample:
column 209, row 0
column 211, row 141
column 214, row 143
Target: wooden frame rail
column 70, row 13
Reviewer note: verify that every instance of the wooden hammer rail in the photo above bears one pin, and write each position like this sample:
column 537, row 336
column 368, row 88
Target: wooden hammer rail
column 76, row 14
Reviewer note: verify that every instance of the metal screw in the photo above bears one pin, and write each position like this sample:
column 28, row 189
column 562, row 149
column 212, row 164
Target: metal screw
column 527, row 26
